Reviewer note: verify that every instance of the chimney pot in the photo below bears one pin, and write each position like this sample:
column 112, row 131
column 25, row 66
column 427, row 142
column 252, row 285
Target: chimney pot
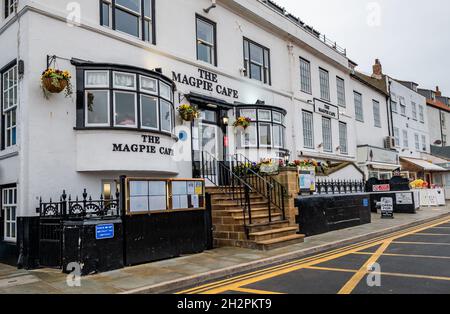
column 438, row 92
column 377, row 70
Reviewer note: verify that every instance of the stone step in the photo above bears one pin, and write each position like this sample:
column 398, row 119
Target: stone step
column 235, row 205
column 268, row 226
column 273, row 234
column 238, row 212
column 218, row 199
column 258, row 219
column 271, row 244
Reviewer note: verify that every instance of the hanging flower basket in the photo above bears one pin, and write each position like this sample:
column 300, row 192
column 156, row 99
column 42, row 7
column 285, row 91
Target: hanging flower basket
column 242, row 122
column 188, row 112
column 55, row 81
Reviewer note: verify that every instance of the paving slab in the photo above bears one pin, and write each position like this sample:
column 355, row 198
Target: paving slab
column 190, row 270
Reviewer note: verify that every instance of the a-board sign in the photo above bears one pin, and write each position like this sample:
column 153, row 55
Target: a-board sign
column 382, row 188
column 387, row 207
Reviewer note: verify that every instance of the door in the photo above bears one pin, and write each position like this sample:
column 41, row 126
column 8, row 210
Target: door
column 207, row 146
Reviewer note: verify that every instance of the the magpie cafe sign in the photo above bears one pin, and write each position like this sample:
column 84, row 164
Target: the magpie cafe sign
column 149, row 144
column 207, row 81
column 326, row 109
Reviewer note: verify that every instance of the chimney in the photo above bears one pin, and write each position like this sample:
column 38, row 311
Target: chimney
column 377, row 70
column 438, row 92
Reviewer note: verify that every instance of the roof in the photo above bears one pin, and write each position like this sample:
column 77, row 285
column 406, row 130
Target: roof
column 379, row 85
column 443, row 152
column 423, row 164
column 438, row 105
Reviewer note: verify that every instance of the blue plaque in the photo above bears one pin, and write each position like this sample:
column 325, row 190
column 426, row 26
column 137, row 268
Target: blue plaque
column 104, row 231
column 366, row 202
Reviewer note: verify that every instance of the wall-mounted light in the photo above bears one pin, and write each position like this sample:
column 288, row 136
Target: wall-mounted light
column 287, row 157
column 225, row 121
column 213, row 5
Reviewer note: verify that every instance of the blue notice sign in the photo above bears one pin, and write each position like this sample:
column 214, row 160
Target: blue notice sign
column 366, row 202
column 104, row 232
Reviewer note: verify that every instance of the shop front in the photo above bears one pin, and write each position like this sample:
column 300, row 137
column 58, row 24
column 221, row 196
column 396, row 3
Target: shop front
column 377, row 162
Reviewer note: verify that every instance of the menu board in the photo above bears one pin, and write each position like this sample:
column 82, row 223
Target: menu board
column 187, row 194
column 147, row 196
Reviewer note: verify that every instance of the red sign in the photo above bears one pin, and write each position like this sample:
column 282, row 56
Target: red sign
column 226, row 141
column 382, row 188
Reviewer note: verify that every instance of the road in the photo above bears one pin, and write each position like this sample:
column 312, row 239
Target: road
column 411, row 261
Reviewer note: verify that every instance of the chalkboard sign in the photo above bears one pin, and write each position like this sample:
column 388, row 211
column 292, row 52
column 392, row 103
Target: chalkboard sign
column 387, row 207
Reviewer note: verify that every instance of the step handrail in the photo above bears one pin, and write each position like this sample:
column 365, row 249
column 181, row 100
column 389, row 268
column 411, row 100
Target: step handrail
column 268, row 187
column 219, row 174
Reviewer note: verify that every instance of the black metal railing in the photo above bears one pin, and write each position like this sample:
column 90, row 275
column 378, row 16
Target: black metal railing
column 80, row 209
column 340, row 186
column 219, row 174
column 266, row 186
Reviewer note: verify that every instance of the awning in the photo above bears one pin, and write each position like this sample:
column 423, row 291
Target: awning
column 207, row 100
column 380, row 166
column 423, row 164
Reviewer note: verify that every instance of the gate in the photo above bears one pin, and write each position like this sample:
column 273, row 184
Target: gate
column 50, row 234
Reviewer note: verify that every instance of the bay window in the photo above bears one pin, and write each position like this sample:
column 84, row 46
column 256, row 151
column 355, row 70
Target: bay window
column 267, row 128
column 257, row 62
column 126, row 99
column 133, row 17
column 9, row 98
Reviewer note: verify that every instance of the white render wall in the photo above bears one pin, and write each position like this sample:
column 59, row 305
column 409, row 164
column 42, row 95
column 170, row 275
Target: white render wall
column 407, row 122
column 50, row 151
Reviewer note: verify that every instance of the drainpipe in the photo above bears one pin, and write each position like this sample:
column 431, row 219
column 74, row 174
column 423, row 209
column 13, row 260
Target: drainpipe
column 389, row 109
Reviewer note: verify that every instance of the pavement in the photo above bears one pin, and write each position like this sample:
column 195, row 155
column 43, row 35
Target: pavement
column 194, row 270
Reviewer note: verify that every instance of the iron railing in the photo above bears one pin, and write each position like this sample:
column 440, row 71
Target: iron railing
column 273, row 191
column 339, row 186
column 219, row 174
column 80, row 209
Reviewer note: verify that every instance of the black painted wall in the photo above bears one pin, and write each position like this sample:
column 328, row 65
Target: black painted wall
column 161, row 236
column 325, row 213
column 398, row 208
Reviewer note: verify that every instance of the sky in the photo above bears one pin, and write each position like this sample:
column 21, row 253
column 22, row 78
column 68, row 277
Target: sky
column 410, row 37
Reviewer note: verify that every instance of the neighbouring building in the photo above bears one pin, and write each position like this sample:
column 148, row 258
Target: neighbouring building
column 132, row 67
column 438, row 108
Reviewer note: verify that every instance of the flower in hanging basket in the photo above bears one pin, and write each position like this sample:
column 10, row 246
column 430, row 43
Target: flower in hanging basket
column 242, row 122
column 55, row 81
column 188, row 112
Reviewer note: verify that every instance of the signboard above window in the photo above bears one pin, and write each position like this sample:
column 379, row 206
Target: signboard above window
column 326, row 109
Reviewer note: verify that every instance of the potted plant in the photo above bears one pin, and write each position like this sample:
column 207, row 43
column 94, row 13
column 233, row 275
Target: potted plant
column 242, row 122
column 55, row 81
column 188, row 112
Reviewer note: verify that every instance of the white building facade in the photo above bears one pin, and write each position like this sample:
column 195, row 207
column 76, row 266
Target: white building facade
column 132, row 67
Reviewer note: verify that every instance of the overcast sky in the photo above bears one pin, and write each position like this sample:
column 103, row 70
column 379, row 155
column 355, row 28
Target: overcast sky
column 410, row 37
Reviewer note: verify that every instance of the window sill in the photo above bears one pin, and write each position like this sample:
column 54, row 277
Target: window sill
column 137, row 130
column 9, row 152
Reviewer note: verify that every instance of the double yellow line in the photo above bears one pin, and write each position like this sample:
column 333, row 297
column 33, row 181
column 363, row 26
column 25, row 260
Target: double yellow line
column 219, row 286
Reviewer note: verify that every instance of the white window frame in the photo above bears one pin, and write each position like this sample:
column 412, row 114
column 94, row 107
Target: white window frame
column 394, row 106
column 211, row 46
column 443, row 120
column 278, row 114
column 8, row 205
column 12, row 109
column 417, row 141
column 253, row 126
column 157, row 113
column 170, row 99
column 414, row 110
column 376, row 113
column 9, row 8
column 359, row 107
column 405, row 138
column 424, row 143
column 145, row 91
column 421, row 114
column 324, row 79
column 86, row 109
column 324, row 135
column 86, row 73
column 305, row 76
column 124, row 87
column 281, row 128
column 341, row 99
column 171, row 115
column 269, row 136
column 135, row 109
column 343, row 140
column 305, row 116
column 265, row 111
column 397, row 137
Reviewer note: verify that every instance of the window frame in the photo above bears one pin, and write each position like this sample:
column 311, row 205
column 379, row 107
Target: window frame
column 414, row 111
column 9, row 8
column 213, row 46
column 86, row 121
column 341, row 96
column 142, row 19
column 417, row 141
column 343, row 142
column 304, row 114
column 330, row 135
column 256, row 124
column 82, row 104
column 357, row 118
column 308, row 83
column 12, row 110
column 421, row 114
column 9, row 206
column 405, row 138
column 397, row 137
column 377, row 113
column 265, row 67
column 326, row 97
